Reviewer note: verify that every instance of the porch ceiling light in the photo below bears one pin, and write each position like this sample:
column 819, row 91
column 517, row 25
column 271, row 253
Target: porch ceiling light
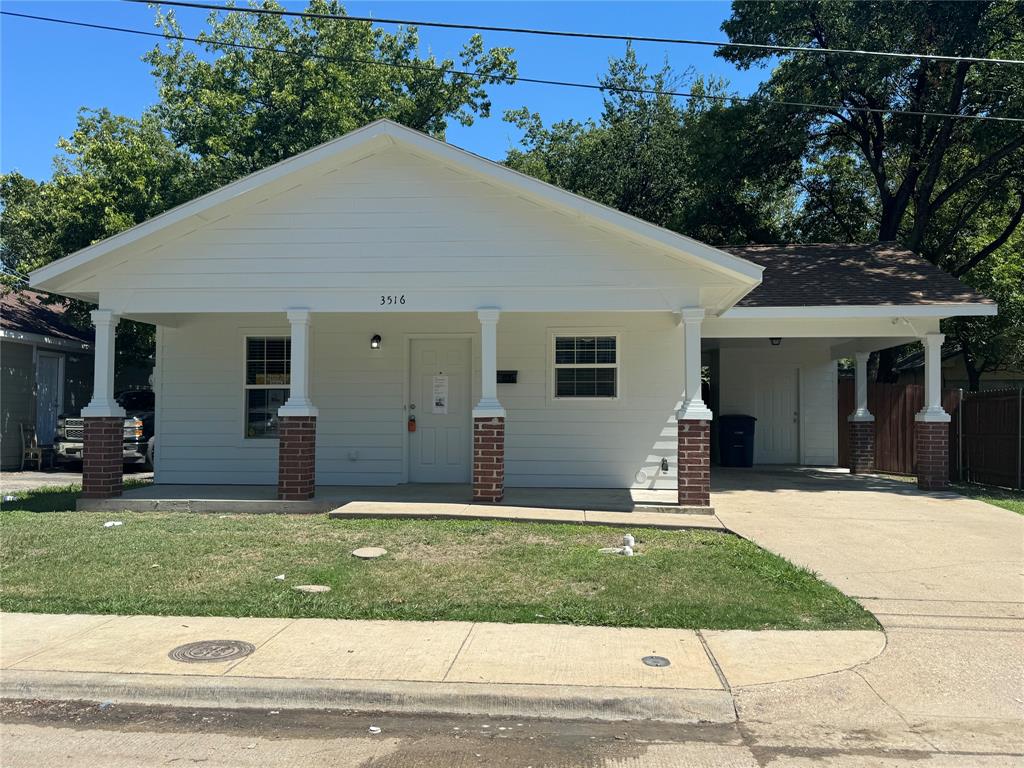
column 775, row 340
column 375, row 341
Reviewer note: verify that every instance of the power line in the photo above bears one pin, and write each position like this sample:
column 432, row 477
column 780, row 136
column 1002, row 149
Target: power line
column 515, row 78
column 584, row 35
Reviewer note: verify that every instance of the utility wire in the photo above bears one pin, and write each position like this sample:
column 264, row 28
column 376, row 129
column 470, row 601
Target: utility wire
column 584, row 35
column 514, row 78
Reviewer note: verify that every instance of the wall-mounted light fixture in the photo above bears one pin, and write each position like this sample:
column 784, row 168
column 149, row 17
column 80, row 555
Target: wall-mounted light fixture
column 375, row 341
column 775, row 340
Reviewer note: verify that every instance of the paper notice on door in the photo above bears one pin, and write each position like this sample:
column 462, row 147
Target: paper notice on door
column 440, row 397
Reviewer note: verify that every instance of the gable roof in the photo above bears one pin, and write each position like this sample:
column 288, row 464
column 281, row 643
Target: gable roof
column 822, row 274
column 26, row 312
column 358, row 144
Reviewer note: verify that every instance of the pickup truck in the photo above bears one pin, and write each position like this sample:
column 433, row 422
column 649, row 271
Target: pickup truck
column 139, row 443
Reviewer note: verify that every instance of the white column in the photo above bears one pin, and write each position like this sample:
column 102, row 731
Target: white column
column 693, row 404
column 932, row 410
column 861, row 412
column 488, row 407
column 103, row 402
column 298, row 403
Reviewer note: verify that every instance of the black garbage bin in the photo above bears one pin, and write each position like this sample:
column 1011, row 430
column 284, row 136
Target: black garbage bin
column 736, row 440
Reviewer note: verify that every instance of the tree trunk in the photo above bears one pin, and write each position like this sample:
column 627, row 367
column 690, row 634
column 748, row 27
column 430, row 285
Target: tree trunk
column 973, row 373
column 886, row 372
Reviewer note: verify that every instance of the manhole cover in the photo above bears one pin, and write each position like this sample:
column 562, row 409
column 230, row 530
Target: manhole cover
column 212, row 650
column 656, row 661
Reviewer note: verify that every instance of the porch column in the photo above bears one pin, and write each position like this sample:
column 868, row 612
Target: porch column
column 103, row 439
column 488, row 417
column 862, row 423
column 693, row 453
column 296, row 420
column 931, row 428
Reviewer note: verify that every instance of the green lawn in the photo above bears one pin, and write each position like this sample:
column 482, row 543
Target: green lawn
column 1001, row 497
column 189, row 564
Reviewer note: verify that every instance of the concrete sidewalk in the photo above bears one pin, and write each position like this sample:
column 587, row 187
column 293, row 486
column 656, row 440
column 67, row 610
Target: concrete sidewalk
column 538, row 670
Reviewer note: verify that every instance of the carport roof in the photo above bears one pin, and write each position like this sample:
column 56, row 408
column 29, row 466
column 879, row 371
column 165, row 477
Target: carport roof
column 822, row 274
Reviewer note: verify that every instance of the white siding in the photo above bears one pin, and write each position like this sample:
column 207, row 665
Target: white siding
column 396, row 222
column 740, row 383
column 361, row 394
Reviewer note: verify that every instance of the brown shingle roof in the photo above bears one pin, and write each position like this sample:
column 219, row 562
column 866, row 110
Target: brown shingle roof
column 819, row 275
column 26, row 311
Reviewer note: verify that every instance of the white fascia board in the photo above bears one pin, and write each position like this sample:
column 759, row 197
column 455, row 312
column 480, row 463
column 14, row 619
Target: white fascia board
column 858, row 311
column 41, row 339
column 204, row 203
column 684, row 248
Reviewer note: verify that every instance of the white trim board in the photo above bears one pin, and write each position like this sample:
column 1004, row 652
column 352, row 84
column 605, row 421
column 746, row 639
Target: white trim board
column 23, row 337
column 372, row 138
column 851, row 311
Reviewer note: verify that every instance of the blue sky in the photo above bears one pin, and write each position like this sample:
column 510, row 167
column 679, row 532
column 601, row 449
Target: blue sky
column 48, row 71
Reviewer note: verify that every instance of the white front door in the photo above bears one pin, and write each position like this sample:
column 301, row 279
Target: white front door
column 439, row 386
column 48, row 396
column 776, row 433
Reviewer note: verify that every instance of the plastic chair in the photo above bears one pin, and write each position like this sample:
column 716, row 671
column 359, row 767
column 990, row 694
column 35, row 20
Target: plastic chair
column 30, row 450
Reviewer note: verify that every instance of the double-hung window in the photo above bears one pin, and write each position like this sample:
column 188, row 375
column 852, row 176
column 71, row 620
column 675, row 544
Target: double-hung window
column 586, row 367
column 268, row 368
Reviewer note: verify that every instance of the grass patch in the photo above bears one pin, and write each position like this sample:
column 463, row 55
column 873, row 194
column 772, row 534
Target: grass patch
column 187, row 564
column 991, row 494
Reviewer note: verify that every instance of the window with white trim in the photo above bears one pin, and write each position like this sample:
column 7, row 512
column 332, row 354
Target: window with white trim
column 586, row 367
column 268, row 373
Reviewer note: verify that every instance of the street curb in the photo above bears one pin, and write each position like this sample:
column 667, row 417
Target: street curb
column 558, row 702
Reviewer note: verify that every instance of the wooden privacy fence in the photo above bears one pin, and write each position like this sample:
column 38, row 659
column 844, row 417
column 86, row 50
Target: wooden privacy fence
column 986, row 443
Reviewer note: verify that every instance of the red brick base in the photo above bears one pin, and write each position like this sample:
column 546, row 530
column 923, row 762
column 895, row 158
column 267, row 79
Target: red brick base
column 102, row 457
column 489, row 459
column 931, row 454
column 862, row 447
column 694, row 463
column 296, row 458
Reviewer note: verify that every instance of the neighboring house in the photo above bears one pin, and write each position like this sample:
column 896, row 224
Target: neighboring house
column 954, row 372
column 46, row 366
column 387, row 308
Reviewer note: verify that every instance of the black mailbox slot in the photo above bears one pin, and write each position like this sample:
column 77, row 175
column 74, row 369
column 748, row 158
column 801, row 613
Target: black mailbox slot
column 508, row 377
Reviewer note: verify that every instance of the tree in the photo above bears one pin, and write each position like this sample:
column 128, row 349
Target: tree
column 301, row 83
column 650, row 156
column 949, row 189
column 111, row 173
column 227, row 114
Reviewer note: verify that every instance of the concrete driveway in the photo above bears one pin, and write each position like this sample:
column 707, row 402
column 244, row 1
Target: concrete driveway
column 942, row 573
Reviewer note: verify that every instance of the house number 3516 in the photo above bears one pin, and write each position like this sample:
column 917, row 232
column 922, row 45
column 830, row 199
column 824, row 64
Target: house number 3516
column 386, row 301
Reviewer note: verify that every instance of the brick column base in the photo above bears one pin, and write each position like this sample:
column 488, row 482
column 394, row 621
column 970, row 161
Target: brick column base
column 489, row 459
column 296, row 458
column 102, row 457
column 693, row 463
column 931, row 454
column 862, row 447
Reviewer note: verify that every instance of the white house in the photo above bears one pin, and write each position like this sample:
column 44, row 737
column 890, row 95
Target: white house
column 387, row 308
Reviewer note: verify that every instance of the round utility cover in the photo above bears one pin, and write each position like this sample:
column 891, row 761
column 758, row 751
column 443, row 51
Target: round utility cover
column 311, row 588
column 211, row 651
column 369, row 553
column 656, row 661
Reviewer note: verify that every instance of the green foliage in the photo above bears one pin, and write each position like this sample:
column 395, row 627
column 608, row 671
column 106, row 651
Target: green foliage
column 951, row 190
column 224, row 115
column 713, row 172
column 112, row 172
column 239, row 110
